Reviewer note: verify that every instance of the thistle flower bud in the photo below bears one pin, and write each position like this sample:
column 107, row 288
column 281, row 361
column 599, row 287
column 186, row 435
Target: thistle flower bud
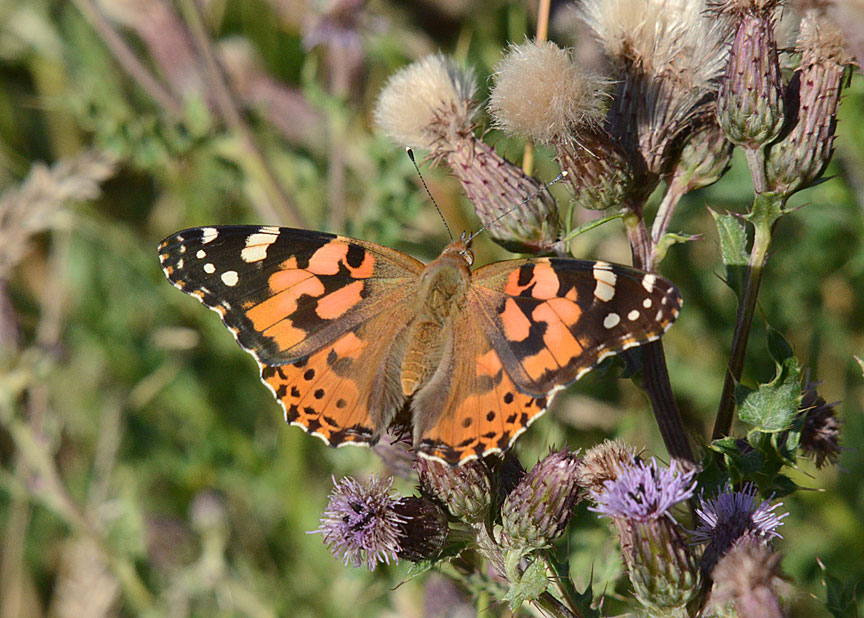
column 466, row 490
column 659, row 562
column 430, row 104
column 803, row 151
column 820, row 436
column 705, row 157
column 728, row 517
column 360, row 523
column 667, row 58
column 423, row 528
column 749, row 578
column 604, row 462
column 541, row 93
column 750, row 101
column 538, row 510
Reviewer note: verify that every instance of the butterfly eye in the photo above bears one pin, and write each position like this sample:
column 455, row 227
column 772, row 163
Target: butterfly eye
column 469, row 257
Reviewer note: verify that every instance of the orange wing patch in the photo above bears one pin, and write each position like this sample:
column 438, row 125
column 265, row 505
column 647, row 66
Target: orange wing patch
column 318, row 394
column 488, row 419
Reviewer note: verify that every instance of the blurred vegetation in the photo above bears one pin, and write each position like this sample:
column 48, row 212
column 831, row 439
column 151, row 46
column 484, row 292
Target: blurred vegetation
column 145, row 471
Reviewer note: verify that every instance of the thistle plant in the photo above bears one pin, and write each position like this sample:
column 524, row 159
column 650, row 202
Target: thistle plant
column 138, row 478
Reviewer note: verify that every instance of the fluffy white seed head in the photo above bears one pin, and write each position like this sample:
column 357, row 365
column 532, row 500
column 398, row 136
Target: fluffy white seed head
column 426, row 101
column 660, row 37
column 541, row 93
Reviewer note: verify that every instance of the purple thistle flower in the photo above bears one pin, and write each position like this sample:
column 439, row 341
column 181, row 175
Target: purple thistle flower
column 360, row 525
column 644, row 492
column 736, row 512
column 730, row 516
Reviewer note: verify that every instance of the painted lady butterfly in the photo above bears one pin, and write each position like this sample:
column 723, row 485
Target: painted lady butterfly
column 353, row 337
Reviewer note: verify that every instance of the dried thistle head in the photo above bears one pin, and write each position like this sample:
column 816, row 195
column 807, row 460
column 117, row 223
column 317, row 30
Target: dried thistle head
column 428, row 104
column 604, row 462
column 749, row 578
column 668, row 56
column 820, row 435
column 543, row 94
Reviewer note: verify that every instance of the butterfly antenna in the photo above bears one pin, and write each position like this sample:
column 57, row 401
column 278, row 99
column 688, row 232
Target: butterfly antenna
column 428, row 192
column 558, row 178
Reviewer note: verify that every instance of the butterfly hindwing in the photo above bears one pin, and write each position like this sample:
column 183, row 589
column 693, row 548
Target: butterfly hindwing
column 284, row 292
column 483, row 411
column 553, row 319
column 344, row 393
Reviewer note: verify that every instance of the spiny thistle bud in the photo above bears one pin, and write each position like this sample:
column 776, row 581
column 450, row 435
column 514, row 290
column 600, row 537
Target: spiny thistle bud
column 423, row 528
column 538, row 510
column 659, row 562
column 667, row 58
column 466, row 490
column 800, row 156
column 729, row 516
column 820, row 436
column 748, row 577
column 750, row 101
column 430, row 104
column 604, row 462
column 705, row 157
column 360, row 523
column 542, row 94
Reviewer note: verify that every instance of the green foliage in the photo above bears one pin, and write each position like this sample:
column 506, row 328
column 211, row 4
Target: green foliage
column 142, row 462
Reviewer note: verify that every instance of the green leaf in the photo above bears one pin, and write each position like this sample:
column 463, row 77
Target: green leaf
column 530, row 585
column 670, row 239
column 733, row 249
column 778, row 346
column 773, row 406
column 840, row 596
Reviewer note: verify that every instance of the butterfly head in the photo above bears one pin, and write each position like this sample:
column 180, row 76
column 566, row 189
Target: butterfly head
column 460, row 249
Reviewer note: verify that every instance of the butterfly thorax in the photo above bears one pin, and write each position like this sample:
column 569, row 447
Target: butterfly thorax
column 441, row 294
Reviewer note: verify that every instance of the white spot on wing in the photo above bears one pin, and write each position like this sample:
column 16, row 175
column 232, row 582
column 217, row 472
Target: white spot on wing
column 209, row 268
column 605, row 289
column 611, row 320
column 647, row 303
column 230, row 278
column 633, row 315
column 648, row 282
column 208, row 234
column 257, row 245
column 201, row 254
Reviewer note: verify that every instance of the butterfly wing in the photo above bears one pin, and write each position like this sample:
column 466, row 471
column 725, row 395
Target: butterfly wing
column 551, row 320
column 471, row 407
column 283, row 292
column 320, row 313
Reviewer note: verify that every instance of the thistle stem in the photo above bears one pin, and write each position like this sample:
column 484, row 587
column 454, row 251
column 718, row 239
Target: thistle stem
column 654, row 372
column 767, row 210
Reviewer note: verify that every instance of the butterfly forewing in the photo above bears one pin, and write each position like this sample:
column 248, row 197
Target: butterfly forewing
column 551, row 320
column 284, row 292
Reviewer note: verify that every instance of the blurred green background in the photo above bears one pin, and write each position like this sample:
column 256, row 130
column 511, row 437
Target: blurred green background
column 145, row 470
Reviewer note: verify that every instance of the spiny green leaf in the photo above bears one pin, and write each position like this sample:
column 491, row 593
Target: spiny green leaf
column 773, row 406
column 733, row 249
column 530, row 585
column 840, row 596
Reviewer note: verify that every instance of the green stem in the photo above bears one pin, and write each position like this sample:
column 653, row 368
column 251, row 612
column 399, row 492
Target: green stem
column 767, row 210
